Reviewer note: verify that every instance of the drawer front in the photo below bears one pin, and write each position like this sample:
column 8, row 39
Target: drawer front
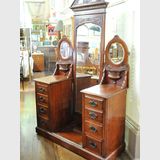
column 94, row 130
column 41, row 99
column 93, row 145
column 42, row 111
column 43, row 123
column 93, row 102
column 93, row 116
column 42, row 88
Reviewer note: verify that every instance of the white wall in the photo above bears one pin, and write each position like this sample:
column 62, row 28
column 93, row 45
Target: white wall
column 124, row 19
column 25, row 18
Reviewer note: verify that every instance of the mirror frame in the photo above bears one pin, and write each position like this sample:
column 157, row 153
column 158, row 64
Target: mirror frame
column 117, row 39
column 118, row 58
column 60, row 57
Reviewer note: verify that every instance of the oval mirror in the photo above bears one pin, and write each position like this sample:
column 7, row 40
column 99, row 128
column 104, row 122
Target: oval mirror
column 65, row 50
column 116, row 53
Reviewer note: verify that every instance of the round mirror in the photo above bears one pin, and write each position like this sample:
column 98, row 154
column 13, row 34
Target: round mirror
column 65, row 50
column 116, row 53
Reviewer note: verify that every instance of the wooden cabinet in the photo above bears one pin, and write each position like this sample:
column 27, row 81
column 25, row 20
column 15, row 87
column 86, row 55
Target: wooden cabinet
column 104, row 119
column 50, row 57
column 38, row 62
column 53, row 111
column 104, row 105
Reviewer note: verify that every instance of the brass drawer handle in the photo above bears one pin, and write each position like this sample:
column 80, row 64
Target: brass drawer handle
column 41, row 90
column 42, row 122
column 92, row 115
column 42, row 110
column 41, row 99
column 92, row 144
column 93, row 129
column 93, row 103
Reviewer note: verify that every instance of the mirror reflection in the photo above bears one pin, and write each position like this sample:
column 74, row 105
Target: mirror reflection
column 65, row 50
column 116, row 53
column 88, row 48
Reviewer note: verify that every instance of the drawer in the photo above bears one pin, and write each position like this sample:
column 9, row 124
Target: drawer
column 93, row 116
column 93, row 145
column 94, row 130
column 42, row 111
column 42, row 99
column 43, row 123
column 42, row 88
column 94, row 102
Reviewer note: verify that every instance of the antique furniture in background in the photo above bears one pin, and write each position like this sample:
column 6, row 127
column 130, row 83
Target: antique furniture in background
column 38, row 62
column 50, row 57
column 104, row 105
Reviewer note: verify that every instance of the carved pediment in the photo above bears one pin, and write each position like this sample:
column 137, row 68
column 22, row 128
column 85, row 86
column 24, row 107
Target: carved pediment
column 80, row 5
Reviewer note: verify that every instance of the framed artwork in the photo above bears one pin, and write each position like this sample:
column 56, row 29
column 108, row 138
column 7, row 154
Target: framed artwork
column 51, row 30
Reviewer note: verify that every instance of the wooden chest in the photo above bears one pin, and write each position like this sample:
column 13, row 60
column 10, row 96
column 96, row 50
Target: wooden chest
column 53, row 102
column 38, row 62
column 103, row 119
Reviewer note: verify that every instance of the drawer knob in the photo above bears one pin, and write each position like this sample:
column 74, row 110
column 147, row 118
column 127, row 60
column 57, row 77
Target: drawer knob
column 92, row 115
column 93, row 103
column 42, row 122
column 92, row 144
column 93, row 129
column 41, row 99
column 41, row 90
column 42, row 110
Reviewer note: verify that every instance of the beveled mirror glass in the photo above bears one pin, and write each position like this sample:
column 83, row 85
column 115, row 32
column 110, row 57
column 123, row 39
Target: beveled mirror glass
column 65, row 50
column 116, row 53
column 88, row 48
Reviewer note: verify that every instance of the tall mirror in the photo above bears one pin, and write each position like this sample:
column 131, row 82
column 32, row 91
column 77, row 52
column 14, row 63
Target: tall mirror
column 89, row 44
column 89, row 39
column 88, row 49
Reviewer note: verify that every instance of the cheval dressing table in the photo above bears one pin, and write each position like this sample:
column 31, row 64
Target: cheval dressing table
column 96, row 133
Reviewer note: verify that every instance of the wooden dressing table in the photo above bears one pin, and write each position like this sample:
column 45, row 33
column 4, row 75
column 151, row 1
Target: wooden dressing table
column 72, row 110
column 98, row 131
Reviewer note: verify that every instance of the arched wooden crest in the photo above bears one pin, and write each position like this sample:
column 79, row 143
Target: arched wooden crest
column 116, row 65
column 64, row 65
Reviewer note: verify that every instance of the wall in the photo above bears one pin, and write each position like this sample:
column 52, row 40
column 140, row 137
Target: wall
column 123, row 18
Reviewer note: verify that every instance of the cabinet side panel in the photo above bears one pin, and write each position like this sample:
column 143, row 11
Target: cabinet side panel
column 115, row 122
column 82, row 83
column 60, row 104
column 83, row 121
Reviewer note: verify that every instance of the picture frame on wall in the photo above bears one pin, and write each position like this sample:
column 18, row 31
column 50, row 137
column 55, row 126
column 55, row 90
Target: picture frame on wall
column 51, row 30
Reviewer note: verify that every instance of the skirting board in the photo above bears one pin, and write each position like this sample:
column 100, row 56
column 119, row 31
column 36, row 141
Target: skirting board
column 132, row 139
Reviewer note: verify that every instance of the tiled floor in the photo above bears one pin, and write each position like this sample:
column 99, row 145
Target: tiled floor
column 33, row 146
